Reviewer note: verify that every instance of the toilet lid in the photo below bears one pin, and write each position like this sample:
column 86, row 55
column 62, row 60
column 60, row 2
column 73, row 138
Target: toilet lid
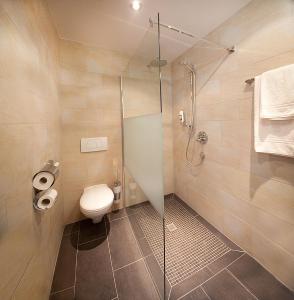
column 96, row 197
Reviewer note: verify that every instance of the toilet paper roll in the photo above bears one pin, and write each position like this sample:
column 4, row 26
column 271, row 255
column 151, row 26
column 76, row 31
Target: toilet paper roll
column 45, row 200
column 44, row 179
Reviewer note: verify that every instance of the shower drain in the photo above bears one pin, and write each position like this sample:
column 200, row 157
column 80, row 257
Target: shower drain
column 171, row 227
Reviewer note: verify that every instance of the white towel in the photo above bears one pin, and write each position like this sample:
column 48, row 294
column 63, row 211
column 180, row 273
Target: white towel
column 271, row 136
column 277, row 94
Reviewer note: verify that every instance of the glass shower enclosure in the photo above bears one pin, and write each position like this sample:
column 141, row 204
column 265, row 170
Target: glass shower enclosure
column 143, row 153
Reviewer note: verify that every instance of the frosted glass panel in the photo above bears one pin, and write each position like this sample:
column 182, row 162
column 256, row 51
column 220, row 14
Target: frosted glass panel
column 143, row 155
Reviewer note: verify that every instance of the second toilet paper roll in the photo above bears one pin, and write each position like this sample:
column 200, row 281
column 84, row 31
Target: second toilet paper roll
column 45, row 200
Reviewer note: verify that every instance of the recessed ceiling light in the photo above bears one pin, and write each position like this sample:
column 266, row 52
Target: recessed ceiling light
column 136, row 5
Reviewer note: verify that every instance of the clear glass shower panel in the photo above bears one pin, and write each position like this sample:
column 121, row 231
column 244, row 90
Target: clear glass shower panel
column 143, row 153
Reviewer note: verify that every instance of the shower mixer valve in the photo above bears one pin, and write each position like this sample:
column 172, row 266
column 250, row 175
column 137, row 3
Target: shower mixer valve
column 202, row 137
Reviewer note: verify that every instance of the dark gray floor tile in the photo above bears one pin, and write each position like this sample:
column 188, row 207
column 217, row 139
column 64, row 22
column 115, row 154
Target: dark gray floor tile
column 184, row 204
column 64, row 276
column 225, row 287
column 190, row 283
column 224, row 261
column 64, row 295
column 134, row 282
column 136, row 227
column 197, row 294
column 94, row 273
column 71, row 228
column 117, row 214
column 219, row 235
column 258, row 280
column 157, row 275
column 123, row 245
column 90, row 231
column 144, row 246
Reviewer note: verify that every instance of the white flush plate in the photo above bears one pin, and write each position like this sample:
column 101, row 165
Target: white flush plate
column 94, row 144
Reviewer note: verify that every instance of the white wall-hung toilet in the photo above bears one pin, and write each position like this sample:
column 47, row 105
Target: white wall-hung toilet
column 96, row 201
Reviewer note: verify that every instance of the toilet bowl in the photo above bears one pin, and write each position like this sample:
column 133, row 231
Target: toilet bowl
column 96, row 201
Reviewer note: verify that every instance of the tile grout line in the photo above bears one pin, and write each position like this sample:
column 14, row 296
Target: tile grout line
column 62, row 290
column 111, row 261
column 171, row 288
column 202, row 288
column 241, row 283
column 76, row 266
column 118, row 219
column 126, row 216
column 241, row 251
column 129, row 264
column 209, row 278
column 209, row 268
column 94, row 240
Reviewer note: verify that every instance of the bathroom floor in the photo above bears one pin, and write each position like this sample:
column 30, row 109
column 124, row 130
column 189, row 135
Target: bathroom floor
column 122, row 258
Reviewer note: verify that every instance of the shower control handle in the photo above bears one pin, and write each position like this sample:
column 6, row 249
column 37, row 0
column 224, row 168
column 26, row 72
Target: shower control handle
column 202, row 137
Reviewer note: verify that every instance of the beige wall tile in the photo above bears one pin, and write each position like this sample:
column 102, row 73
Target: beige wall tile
column 91, row 60
column 29, row 136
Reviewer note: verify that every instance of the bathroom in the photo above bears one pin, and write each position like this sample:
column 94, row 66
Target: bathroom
column 137, row 160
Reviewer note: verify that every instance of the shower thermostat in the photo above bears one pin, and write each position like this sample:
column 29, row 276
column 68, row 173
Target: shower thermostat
column 181, row 116
column 202, row 137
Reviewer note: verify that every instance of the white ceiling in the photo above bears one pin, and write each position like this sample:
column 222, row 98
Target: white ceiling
column 112, row 24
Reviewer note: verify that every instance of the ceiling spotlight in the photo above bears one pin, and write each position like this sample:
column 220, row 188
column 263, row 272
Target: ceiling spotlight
column 136, row 5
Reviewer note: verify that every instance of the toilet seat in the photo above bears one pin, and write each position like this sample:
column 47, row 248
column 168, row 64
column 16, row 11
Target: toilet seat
column 96, row 198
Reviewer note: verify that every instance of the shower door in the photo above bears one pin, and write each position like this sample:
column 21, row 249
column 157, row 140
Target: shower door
column 143, row 155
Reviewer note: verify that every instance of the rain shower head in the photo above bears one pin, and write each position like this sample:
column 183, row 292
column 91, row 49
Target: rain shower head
column 157, row 63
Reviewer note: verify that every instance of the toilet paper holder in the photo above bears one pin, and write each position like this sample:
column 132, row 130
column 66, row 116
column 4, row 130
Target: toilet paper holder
column 51, row 169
